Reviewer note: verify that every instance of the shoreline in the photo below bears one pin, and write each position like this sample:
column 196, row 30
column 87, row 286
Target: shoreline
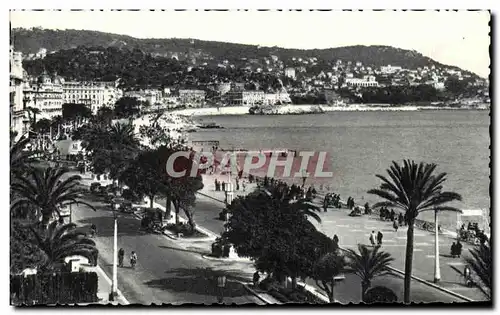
column 243, row 110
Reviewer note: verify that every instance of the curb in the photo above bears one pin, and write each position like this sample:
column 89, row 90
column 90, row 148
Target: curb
column 260, row 297
column 210, row 197
column 207, row 257
column 434, row 286
column 120, row 295
column 401, row 273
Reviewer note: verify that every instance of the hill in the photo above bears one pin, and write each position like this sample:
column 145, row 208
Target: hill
column 31, row 40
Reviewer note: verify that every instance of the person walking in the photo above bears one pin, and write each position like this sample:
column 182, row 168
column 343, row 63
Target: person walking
column 395, row 225
column 372, row 238
column 256, row 278
column 121, row 256
column 379, row 238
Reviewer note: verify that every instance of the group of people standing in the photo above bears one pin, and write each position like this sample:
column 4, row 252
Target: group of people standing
column 331, row 199
column 376, row 239
column 222, row 186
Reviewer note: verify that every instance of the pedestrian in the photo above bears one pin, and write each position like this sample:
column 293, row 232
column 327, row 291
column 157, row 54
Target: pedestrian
column 393, row 214
column 256, row 278
column 372, row 238
column 367, row 208
column 237, row 185
column 223, row 186
column 459, row 248
column 336, row 239
column 400, row 219
column 379, row 238
column 216, row 185
column 453, row 250
column 395, row 225
column 467, row 276
column 243, row 184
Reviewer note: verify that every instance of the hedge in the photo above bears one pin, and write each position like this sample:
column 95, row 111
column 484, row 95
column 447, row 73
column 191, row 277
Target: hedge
column 61, row 288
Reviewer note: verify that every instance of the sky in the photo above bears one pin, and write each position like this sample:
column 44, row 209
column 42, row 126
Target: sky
column 454, row 38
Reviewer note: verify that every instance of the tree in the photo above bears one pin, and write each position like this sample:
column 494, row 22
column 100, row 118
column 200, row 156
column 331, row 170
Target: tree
column 24, row 253
column 61, row 241
column 45, row 191
column 75, row 112
column 326, row 269
column 481, row 263
column 110, row 147
column 413, row 188
column 180, row 190
column 276, row 234
column 368, row 264
column 42, row 126
column 33, row 111
column 104, row 115
column 20, row 158
column 144, row 175
column 127, row 107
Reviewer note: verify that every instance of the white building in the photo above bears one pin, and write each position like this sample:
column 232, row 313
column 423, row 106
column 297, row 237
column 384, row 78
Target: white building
column 46, row 94
column 290, row 73
column 18, row 116
column 390, row 69
column 93, row 94
column 192, row 98
column 360, row 82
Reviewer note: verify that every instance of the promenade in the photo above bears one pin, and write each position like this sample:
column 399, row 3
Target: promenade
column 356, row 230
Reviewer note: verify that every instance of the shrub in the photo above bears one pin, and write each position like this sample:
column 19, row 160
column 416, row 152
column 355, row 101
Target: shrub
column 216, row 249
column 267, row 283
column 380, row 295
column 226, row 249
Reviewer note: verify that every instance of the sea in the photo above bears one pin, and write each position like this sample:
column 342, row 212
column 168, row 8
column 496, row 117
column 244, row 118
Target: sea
column 363, row 144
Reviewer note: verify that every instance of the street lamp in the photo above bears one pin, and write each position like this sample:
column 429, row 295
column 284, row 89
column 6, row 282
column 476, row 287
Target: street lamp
column 437, row 269
column 221, row 284
column 114, row 283
column 304, row 177
column 229, row 196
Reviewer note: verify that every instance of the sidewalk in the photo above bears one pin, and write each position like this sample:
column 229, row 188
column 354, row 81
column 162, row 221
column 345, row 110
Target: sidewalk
column 104, row 288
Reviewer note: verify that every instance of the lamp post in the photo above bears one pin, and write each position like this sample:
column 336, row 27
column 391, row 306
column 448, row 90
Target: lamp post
column 114, row 283
column 304, row 177
column 229, row 196
column 437, row 269
column 221, row 284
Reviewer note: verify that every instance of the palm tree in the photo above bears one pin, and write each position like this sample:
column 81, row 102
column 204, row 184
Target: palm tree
column 413, row 188
column 61, row 241
column 20, row 159
column 368, row 264
column 45, row 191
column 326, row 269
column 481, row 264
column 33, row 111
column 283, row 198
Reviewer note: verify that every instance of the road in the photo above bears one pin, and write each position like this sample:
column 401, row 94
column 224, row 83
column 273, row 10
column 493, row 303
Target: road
column 165, row 273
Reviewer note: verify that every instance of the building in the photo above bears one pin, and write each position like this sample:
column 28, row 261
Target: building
column 223, row 88
column 19, row 121
column 245, row 97
column 192, row 98
column 290, row 73
column 45, row 93
column 390, row 69
column 356, row 82
column 93, row 94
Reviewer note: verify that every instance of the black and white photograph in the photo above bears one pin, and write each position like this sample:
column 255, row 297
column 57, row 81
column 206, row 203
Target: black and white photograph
column 250, row 157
